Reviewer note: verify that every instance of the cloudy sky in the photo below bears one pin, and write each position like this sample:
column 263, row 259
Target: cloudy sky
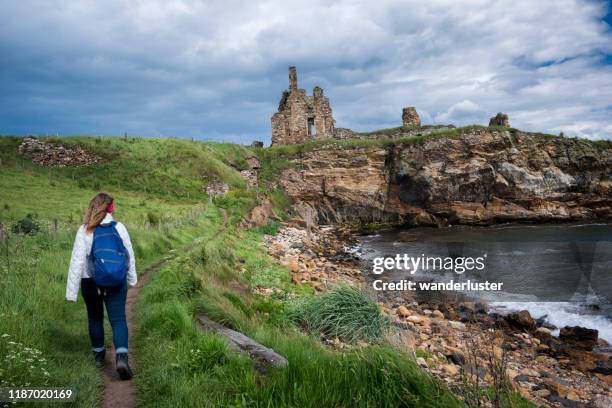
column 216, row 69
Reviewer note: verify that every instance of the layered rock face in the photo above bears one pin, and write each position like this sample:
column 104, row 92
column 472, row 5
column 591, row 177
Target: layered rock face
column 480, row 177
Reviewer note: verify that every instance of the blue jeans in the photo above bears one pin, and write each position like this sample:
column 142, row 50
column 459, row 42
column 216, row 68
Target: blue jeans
column 114, row 299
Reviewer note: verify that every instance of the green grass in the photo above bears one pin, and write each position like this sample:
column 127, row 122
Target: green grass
column 346, row 313
column 35, row 313
column 170, row 168
column 179, row 364
column 35, row 317
column 399, row 129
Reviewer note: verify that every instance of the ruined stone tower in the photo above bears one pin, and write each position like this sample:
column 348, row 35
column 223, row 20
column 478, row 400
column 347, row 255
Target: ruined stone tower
column 410, row 117
column 300, row 117
column 501, row 119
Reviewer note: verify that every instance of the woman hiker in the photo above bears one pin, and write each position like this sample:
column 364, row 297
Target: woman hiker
column 103, row 264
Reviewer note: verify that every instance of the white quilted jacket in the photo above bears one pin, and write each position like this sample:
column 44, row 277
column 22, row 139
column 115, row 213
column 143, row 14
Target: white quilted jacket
column 82, row 247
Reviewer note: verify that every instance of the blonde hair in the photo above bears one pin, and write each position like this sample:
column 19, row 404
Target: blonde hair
column 97, row 211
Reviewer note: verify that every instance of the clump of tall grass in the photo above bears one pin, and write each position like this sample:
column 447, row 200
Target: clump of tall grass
column 347, row 313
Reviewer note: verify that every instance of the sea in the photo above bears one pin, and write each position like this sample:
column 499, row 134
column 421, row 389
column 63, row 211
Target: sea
column 560, row 273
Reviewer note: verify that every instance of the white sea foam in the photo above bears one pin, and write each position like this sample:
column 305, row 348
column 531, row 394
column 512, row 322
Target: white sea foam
column 560, row 314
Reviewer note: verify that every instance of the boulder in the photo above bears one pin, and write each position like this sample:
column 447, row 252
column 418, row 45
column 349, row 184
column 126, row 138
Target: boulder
column 579, row 336
column 403, row 311
column 259, row 215
column 451, row 369
column 543, row 331
column 416, row 319
column 521, row 321
column 456, row 325
column 530, row 372
column 557, row 386
column 456, row 358
column 437, row 314
column 542, row 393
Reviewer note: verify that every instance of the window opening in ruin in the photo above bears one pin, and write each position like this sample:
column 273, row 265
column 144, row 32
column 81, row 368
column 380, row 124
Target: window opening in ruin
column 312, row 131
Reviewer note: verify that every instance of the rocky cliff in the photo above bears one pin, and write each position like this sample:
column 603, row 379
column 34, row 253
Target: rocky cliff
column 470, row 176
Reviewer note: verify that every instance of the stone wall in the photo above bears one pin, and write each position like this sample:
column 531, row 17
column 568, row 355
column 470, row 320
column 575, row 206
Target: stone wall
column 344, row 133
column 301, row 117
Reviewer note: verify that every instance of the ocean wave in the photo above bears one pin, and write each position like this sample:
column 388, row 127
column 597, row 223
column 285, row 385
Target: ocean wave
column 560, row 314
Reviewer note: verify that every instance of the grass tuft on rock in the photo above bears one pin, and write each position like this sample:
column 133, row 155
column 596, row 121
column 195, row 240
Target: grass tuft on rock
column 347, row 313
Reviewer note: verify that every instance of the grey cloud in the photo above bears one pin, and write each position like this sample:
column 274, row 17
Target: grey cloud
column 215, row 69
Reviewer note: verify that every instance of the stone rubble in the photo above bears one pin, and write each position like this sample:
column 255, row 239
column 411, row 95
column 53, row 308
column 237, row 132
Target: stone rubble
column 250, row 176
column 215, row 188
column 50, row 154
column 320, row 260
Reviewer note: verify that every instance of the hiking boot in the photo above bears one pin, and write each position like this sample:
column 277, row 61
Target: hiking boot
column 123, row 368
column 99, row 356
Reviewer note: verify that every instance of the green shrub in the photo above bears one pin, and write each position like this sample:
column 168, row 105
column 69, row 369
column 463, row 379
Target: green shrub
column 347, row 313
column 26, row 226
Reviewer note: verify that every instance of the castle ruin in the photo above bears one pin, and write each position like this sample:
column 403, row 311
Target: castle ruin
column 410, row 117
column 501, row 119
column 301, row 117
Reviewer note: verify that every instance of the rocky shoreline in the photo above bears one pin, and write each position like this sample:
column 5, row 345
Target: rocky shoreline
column 463, row 344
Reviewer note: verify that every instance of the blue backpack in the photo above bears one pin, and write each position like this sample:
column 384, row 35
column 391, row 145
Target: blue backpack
column 109, row 256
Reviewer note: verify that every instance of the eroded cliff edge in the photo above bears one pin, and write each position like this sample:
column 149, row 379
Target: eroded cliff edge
column 471, row 176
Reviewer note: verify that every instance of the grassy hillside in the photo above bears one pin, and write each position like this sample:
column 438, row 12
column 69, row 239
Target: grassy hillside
column 157, row 186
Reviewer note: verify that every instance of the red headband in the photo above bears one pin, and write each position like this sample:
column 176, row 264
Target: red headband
column 111, row 207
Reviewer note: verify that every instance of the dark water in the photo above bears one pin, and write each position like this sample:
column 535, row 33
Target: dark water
column 563, row 271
